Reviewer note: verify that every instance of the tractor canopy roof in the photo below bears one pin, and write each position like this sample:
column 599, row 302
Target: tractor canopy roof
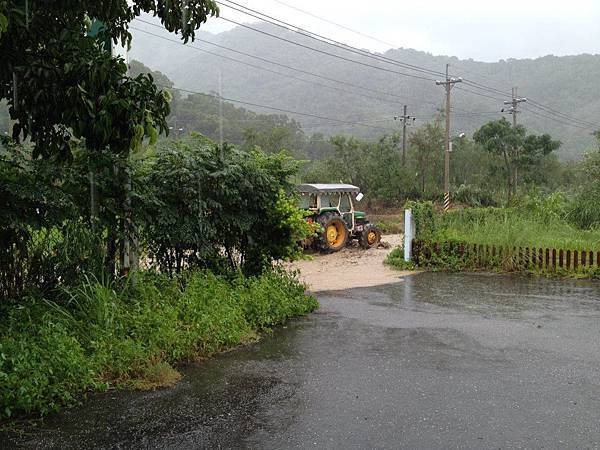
column 319, row 188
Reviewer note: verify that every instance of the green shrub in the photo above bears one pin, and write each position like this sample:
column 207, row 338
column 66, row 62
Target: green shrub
column 104, row 332
column 202, row 206
column 42, row 364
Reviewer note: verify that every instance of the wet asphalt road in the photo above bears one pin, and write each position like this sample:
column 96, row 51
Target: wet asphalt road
column 437, row 361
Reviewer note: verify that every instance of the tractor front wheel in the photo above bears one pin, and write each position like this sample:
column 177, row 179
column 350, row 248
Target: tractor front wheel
column 335, row 233
column 370, row 236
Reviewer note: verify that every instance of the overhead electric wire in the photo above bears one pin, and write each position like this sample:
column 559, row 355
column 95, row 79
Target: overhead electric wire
column 338, row 44
column 274, row 108
column 561, row 114
column 481, row 94
column 483, row 87
column 486, row 77
column 360, row 33
column 323, row 39
column 333, row 55
column 269, row 61
column 358, row 94
column 556, row 119
column 550, row 113
column 393, row 46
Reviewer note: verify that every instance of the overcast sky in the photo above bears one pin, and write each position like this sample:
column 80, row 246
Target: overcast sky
column 480, row 29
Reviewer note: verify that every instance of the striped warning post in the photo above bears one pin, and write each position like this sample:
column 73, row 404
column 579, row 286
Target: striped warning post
column 446, row 201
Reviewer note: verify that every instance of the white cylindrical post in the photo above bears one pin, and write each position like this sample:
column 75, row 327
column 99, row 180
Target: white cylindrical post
column 409, row 234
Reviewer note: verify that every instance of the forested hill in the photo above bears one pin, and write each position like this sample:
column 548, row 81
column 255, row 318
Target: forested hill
column 569, row 85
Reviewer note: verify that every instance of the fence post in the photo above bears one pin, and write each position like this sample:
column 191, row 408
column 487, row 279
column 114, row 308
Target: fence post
column 409, row 234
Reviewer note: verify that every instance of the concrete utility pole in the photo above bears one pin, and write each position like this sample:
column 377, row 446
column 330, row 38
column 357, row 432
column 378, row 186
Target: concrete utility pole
column 514, row 103
column 221, row 111
column 448, row 84
column 405, row 119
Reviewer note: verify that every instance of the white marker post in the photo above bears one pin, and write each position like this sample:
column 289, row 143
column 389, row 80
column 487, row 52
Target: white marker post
column 409, row 234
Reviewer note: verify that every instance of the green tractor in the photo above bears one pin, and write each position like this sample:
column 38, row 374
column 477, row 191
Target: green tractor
column 332, row 207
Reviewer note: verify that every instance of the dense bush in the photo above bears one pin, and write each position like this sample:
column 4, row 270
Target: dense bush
column 103, row 332
column 194, row 206
column 43, row 239
column 204, row 206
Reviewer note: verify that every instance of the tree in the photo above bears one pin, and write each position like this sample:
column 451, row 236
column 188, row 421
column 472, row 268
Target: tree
column 518, row 150
column 61, row 83
column 63, row 87
column 427, row 143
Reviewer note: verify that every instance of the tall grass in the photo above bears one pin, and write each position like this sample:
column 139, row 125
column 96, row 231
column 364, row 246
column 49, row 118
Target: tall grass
column 514, row 227
column 105, row 333
column 536, row 221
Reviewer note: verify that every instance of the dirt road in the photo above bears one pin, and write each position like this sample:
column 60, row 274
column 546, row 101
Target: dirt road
column 351, row 267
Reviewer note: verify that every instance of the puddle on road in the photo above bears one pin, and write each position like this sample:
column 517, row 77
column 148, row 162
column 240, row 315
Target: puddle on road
column 485, row 294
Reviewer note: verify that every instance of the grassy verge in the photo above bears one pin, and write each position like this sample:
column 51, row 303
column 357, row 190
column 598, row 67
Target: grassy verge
column 105, row 334
column 502, row 239
column 513, row 227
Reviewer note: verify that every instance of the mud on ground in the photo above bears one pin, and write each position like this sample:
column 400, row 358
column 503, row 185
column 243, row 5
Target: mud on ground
column 351, row 267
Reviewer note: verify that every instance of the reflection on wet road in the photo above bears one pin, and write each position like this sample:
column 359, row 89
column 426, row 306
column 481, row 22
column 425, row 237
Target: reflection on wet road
column 437, row 361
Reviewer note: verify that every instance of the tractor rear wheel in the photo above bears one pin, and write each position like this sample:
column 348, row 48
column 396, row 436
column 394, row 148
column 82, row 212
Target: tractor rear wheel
column 335, row 232
column 370, row 236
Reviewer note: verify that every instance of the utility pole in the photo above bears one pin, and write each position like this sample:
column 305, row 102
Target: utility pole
column 129, row 255
column 513, row 110
column 221, row 111
column 448, row 84
column 405, row 119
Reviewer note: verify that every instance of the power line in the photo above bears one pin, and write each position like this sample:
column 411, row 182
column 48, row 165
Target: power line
column 323, row 39
column 333, row 55
column 561, row 114
column 360, row 33
column 269, row 61
column 556, row 119
column 484, row 88
column 489, row 78
column 329, row 41
column 479, row 93
column 257, row 105
column 268, row 70
column 378, row 58
column 335, row 43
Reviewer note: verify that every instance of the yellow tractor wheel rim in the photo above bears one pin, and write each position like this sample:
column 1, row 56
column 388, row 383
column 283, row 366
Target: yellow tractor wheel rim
column 335, row 234
column 371, row 237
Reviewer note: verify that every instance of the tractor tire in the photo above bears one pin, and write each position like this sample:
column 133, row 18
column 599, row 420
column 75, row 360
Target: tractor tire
column 335, row 233
column 370, row 236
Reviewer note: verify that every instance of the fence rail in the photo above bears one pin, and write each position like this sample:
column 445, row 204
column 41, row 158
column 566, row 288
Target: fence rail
column 427, row 253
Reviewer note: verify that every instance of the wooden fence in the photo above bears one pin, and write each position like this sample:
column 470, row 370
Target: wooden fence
column 426, row 253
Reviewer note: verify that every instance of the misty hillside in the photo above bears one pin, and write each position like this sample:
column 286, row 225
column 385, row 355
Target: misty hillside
column 567, row 84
